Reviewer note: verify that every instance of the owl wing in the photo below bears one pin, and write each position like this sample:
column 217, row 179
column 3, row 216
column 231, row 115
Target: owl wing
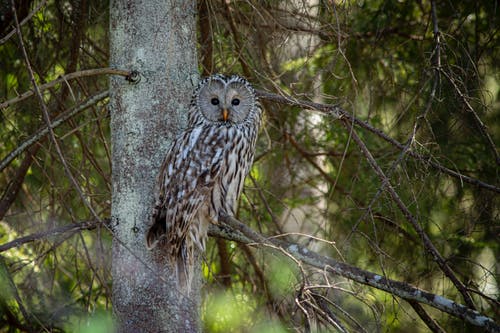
column 186, row 177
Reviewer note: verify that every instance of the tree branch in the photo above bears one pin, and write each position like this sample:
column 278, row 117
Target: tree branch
column 71, row 76
column 55, row 123
column 234, row 230
column 46, row 117
column 338, row 112
column 11, row 290
column 85, row 225
column 26, row 19
column 479, row 124
column 428, row 245
column 428, row 320
column 14, row 185
column 347, row 120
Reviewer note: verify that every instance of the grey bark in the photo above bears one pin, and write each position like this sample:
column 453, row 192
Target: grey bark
column 157, row 39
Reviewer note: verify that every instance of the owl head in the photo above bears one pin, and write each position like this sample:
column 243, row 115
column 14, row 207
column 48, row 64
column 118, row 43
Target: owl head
column 223, row 99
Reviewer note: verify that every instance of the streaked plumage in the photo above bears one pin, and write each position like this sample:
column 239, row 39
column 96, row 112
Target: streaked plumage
column 203, row 173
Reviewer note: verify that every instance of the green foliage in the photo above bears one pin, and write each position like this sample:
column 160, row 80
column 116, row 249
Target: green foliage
column 100, row 322
column 227, row 312
column 310, row 183
column 282, row 275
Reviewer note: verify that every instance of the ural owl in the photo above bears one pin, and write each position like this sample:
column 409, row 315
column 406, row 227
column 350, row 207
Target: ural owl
column 203, row 173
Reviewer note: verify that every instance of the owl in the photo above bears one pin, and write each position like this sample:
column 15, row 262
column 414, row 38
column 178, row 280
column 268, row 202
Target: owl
column 203, row 173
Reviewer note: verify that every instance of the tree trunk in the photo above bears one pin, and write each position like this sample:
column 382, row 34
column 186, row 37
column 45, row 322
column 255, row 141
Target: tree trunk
column 157, row 39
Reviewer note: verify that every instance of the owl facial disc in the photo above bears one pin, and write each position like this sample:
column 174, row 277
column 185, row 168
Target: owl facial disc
column 224, row 99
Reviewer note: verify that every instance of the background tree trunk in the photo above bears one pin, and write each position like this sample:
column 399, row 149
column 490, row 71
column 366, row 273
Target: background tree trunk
column 157, row 39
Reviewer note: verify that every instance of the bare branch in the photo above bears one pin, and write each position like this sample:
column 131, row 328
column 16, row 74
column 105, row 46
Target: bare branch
column 428, row 245
column 67, row 77
column 55, row 123
column 7, row 282
column 437, row 63
column 237, row 231
column 239, row 45
column 338, row 112
column 428, row 320
column 46, row 117
column 26, row 19
column 85, row 225
column 12, row 189
column 479, row 123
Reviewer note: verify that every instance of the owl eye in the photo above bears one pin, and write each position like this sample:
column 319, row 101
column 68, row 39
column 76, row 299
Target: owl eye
column 214, row 101
column 235, row 102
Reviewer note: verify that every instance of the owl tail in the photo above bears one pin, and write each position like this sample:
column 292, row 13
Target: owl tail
column 183, row 268
column 179, row 254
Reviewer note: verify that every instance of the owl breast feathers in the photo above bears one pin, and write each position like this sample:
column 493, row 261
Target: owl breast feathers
column 203, row 173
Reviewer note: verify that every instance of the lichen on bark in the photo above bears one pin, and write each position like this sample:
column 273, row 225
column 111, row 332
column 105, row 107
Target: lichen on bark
column 157, row 39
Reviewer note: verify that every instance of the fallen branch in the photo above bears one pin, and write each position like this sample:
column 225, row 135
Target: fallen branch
column 236, row 231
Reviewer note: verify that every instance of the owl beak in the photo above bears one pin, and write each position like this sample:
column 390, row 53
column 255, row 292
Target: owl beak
column 225, row 114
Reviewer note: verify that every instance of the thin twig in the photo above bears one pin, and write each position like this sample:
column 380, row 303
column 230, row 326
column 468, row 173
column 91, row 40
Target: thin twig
column 426, row 318
column 16, row 183
column 338, row 112
column 237, row 40
column 26, row 19
column 133, row 77
column 339, row 308
column 479, row 123
column 235, row 230
column 55, row 123
column 428, row 245
column 406, row 148
column 8, row 282
column 85, row 225
column 437, row 63
column 46, row 117
column 65, row 78
column 309, row 159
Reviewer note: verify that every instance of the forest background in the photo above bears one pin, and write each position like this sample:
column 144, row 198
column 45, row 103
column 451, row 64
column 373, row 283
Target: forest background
column 378, row 150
